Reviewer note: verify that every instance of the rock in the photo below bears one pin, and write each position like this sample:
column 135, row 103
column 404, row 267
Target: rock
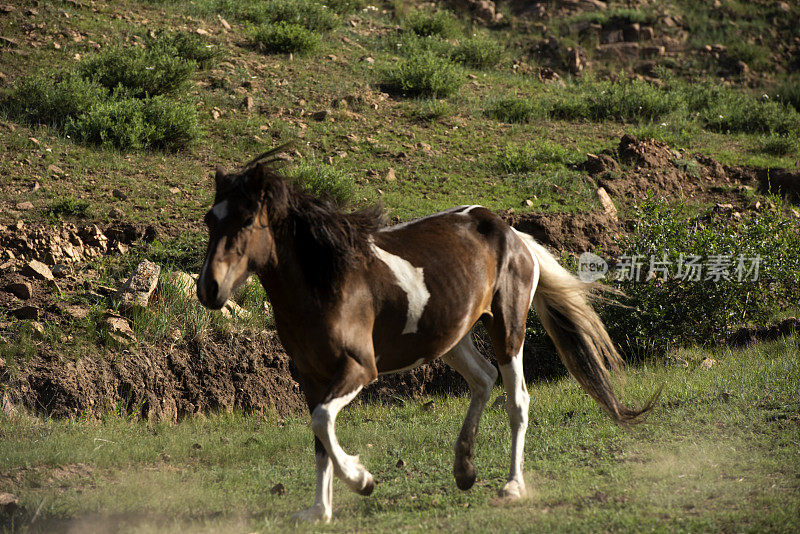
column 77, row 312
column 175, row 190
column 30, row 313
column 249, row 103
column 55, row 169
column 651, row 51
column 606, row 202
column 400, row 463
column 38, row 329
column 528, row 202
column 119, row 328
column 390, row 175
column 328, row 160
column 224, row 23
column 613, row 35
column 230, row 309
column 620, row 50
column 708, row 363
column 185, row 282
column 646, row 33
column 116, row 213
column 320, row 115
column 278, row 489
column 25, row 205
column 22, row 290
column 38, row 270
column 137, row 289
column 631, row 32
column 120, row 195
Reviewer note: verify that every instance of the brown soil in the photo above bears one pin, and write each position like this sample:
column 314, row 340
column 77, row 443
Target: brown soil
column 573, row 232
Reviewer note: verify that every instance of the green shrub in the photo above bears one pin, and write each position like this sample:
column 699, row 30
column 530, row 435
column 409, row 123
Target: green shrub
column 188, row 46
column 672, row 312
column 440, row 23
column 627, row 101
column 789, row 92
column 779, row 145
column 409, row 44
column 68, row 206
column 535, row 156
column 345, row 6
column 737, row 112
column 324, row 181
column 513, row 109
column 478, row 52
column 311, row 15
column 423, row 74
column 285, row 37
column 140, row 72
column 41, row 100
column 431, row 110
column 156, row 122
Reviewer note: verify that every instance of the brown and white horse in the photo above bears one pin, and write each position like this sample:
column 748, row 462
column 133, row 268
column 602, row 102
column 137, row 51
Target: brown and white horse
column 354, row 299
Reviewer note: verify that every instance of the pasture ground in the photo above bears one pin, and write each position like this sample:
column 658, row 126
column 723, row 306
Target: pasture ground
column 719, row 453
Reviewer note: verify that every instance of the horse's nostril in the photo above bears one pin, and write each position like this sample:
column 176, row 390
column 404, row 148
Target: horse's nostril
column 213, row 289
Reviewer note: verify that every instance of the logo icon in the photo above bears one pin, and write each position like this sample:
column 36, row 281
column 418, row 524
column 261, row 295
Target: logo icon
column 591, row 267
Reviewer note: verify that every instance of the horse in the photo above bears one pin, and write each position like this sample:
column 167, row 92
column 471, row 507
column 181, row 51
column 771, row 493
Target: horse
column 353, row 299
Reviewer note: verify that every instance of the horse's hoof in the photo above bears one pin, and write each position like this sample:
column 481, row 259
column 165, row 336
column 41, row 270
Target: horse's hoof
column 369, row 486
column 513, row 490
column 314, row 514
column 465, row 481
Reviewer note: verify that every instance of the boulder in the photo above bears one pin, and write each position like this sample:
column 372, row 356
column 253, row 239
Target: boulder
column 38, row 270
column 137, row 289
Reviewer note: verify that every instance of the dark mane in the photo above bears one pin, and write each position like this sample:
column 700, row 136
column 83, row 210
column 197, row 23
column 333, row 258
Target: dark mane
column 325, row 239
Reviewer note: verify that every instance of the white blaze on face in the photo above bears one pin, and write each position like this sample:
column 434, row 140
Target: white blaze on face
column 412, row 281
column 220, row 210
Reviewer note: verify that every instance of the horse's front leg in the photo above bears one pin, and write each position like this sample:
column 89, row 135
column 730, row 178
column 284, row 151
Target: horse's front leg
column 352, row 379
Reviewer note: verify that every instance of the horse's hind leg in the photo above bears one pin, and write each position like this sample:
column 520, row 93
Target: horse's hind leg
column 517, row 404
column 481, row 376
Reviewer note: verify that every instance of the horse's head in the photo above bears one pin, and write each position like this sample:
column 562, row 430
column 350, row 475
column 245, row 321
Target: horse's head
column 240, row 238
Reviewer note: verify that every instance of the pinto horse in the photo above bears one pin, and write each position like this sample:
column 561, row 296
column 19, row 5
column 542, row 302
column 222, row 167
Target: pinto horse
column 353, row 299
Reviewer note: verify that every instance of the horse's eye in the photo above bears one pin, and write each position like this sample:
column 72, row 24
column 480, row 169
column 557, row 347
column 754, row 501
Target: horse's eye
column 249, row 221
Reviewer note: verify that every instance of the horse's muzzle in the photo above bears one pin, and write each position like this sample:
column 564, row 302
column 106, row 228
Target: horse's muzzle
column 208, row 294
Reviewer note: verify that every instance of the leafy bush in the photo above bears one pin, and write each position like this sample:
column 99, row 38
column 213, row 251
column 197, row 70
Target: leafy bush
column 431, row 110
column 68, row 206
column 478, row 52
column 439, row 23
column 313, row 16
column 423, row 74
column 156, row 122
column 409, row 44
column 513, row 109
column 324, row 181
column 141, row 73
column 535, row 156
column 41, row 100
column 627, row 101
column 285, row 37
column 188, row 46
column 737, row 112
column 668, row 311
column 779, row 145
column 789, row 92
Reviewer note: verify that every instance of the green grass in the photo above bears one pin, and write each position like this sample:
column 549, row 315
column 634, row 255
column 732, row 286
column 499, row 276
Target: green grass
column 514, row 109
column 536, row 156
column 325, row 181
column 718, row 453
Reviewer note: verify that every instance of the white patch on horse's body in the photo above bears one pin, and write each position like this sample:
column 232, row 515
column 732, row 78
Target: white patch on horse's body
column 524, row 238
column 220, row 210
column 470, row 208
column 411, row 280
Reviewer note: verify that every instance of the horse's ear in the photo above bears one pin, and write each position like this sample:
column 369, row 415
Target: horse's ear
column 220, row 177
